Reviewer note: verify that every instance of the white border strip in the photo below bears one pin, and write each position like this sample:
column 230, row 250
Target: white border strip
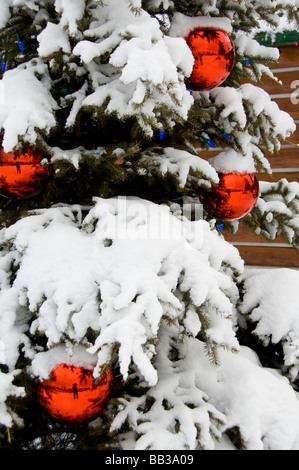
column 284, row 170
column 286, row 69
column 265, row 244
column 282, row 95
column 261, row 266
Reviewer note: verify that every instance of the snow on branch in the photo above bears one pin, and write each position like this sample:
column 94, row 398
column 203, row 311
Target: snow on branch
column 248, row 103
column 4, row 12
column 270, row 302
column 179, row 163
column 53, row 38
column 71, row 11
column 156, row 4
column 193, row 404
column 145, row 72
column 7, row 416
column 257, row 123
column 249, row 47
column 180, row 416
column 277, row 211
column 28, row 107
column 182, row 165
column 182, row 25
column 119, row 272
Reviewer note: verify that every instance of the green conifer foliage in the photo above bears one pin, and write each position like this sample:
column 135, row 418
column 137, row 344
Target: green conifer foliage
column 107, row 258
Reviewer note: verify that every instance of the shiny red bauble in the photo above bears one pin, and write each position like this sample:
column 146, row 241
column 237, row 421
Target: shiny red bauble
column 214, row 55
column 73, row 396
column 21, row 174
column 234, row 196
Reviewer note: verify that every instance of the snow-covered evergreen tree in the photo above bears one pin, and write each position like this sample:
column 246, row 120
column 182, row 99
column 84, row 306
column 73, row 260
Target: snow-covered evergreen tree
column 114, row 263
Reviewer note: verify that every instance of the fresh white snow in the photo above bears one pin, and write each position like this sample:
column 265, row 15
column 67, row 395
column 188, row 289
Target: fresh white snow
column 146, row 280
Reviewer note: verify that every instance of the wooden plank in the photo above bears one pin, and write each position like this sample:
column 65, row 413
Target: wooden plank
column 289, row 150
column 245, row 234
column 276, row 176
column 285, row 158
column 289, row 57
column 287, row 78
column 207, row 154
column 269, row 256
column 294, row 138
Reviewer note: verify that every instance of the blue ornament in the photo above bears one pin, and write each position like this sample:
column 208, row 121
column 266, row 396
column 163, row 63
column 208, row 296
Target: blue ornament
column 226, row 136
column 208, row 141
column 20, row 43
column 21, row 46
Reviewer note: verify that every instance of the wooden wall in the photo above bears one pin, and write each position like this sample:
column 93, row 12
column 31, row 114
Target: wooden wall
column 257, row 250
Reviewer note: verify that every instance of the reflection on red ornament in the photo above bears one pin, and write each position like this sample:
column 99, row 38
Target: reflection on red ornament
column 233, row 198
column 73, row 396
column 22, row 175
column 214, row 55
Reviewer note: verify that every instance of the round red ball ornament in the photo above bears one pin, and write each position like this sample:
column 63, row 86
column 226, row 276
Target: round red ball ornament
column 233, row 198
column 73, row 396
column 22, row 175
column 214, row 54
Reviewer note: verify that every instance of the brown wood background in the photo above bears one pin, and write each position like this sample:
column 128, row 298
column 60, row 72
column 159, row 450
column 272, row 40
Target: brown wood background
column 257, row 250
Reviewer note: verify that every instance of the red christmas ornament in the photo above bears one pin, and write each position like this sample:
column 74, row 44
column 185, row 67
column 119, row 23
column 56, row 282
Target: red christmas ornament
column 214, row 55
column 72, row 395
column 22, row 175
column 233, row 198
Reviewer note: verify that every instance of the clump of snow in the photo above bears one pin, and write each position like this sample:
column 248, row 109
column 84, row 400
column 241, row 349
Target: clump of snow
column 52, row 39
column 278, row 207
column 72, row 155
column 232, row 161
column 179, row 163
column 45, row 362
column 28, row 106
column 182, row 25
column 264, row 304
column 156, row 63
column 78, row 98
column 231, row 100
column 247, row 46
column 250, row 49
column 7, row 388
column 261, row 102
column 161, row 3
column 71, row 11
column 257, row 400
column 238, row 393
column 4, row 12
